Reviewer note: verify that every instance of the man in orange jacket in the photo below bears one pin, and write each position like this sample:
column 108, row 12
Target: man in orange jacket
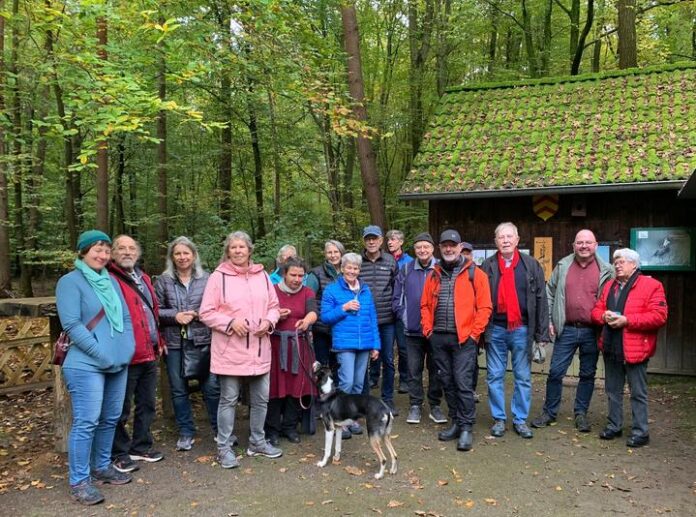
column 455, row 308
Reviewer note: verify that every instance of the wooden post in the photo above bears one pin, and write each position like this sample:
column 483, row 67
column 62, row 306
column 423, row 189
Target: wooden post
column 62, row 410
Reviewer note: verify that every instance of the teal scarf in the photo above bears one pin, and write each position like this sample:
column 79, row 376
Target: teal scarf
column 104, row 289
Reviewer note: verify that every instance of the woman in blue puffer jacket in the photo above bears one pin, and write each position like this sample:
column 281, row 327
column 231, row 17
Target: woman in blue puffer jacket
column 348, row 308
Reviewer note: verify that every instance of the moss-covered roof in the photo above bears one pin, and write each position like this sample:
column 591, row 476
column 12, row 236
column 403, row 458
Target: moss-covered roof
column 627, row 127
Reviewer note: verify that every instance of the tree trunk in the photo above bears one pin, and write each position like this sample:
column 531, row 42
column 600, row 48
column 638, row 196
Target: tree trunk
column 545, row 46
column 492, row 39
column 258, row 164
column 574, row 15
column 419, row 32
column 529, row 41
column 443, row 46
column 162, row 168
column 225, row 157
column 366, row 155
column 577, row 59
column 102, row 179
column 120, row 215
column 626, row 32
column 5, row 271
column 277, row 166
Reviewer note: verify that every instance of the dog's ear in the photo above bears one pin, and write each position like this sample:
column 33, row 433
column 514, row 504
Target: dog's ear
column 316, row 366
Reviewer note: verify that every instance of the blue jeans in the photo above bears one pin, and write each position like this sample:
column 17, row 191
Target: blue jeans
column 210, row 388
column 97, row 401
column 352, row 370
column 386, row 360
column 570, row 340
column 514, row 341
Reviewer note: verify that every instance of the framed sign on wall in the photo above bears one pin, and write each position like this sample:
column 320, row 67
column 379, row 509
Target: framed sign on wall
column 665, row 249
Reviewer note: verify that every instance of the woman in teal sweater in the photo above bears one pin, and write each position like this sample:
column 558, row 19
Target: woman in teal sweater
column 94, row 315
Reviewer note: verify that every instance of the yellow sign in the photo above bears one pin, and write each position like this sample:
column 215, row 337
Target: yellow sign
column 543, row 252
column 545, row 206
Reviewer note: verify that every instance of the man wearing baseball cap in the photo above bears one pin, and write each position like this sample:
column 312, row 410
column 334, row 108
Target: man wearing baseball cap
column 455, row 309
column 378, row 271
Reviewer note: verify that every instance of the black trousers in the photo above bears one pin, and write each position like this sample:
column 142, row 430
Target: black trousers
column 455, row 366
column 282, row 415
column 142, row 389
column 420, row 355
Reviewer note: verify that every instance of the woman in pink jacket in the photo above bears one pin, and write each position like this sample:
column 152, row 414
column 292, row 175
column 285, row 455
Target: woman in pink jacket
column 241, row 307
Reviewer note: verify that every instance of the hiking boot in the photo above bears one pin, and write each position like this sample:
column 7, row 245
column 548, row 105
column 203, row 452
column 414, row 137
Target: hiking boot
column 466, row 440
column 437, row 416
column 111, row 476
column 149, row 456
column 543, row 420
column 449, row 434
column 582, row 424
column 638, row 441
column 498, row 429
column 86, row 493
column 523, row 430
column 355, row 428
column 184, row 443
column 264, row 449
column 227, row 459
column 125, row 464
column 414, row 415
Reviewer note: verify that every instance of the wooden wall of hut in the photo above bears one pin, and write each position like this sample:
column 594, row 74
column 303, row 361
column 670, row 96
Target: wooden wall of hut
column 611, row 216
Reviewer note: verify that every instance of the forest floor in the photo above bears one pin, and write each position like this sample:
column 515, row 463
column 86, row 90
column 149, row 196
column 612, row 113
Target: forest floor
column 560, row 472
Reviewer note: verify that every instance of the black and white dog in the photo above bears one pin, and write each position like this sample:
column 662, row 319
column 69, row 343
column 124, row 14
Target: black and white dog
column 338, row 409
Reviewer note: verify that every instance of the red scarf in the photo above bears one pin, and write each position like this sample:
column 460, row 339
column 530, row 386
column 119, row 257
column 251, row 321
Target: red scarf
column 507, row 293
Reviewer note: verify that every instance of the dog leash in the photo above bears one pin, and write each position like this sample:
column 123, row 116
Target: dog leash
column 307, row 375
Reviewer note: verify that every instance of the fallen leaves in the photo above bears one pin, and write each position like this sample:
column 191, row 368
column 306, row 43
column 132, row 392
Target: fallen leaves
column 442, row 482
column 354, row 471
column 204, row 459
column 394, row 504
column 490, row 501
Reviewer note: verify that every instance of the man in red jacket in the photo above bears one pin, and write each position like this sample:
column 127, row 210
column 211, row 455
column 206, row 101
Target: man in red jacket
column 631, row 310
column 142, row 373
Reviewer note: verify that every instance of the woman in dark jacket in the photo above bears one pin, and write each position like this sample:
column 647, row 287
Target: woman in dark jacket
column 179, row 291
column 317, row 280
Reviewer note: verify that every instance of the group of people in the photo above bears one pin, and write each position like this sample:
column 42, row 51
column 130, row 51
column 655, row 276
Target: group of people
column 265, row 331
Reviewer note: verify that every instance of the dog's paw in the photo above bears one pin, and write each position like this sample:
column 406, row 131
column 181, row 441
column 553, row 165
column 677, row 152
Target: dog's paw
column 321, row 463
column 336, row 460
column 379, row 475
column 392, row 470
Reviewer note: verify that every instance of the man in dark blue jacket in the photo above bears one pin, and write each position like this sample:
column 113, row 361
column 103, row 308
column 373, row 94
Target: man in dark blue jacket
column 379, row 272
column 407, row 307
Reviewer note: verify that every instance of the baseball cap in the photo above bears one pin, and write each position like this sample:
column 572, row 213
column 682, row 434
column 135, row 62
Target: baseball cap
column 450, row 235
column 424, row 237
column 467, row 246
column 373, row 229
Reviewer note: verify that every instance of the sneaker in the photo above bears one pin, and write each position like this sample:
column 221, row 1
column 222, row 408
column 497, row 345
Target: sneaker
column 543, row 420
column 86, row 493
column 149, row 456
column 228, row 459
column 265, row 449
column 523, row 430
column 582, row 424
column 111, row 476
column 184, row 443
column 437, row 416
column 125, row 464
column 498, row 429
column 414, row 415
column 355, row 428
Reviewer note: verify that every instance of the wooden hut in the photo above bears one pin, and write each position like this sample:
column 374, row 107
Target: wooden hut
column 609, row 152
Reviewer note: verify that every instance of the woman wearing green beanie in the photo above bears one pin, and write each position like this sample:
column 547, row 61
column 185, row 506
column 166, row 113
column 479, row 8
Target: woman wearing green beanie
column 94, row 315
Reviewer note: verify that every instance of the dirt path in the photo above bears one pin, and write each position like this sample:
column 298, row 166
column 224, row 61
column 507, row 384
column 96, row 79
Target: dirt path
column 558, row 473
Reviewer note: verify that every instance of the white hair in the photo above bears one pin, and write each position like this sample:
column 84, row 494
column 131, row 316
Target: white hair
column 502, row 226
column 236, row 236
column 628, row 254
column 351, row 258
column 283, row 249
column 339, row 246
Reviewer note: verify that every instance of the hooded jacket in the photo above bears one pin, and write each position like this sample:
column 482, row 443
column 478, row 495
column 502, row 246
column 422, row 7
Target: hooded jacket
column 350, row 330
column 231, row 294
column 645, row 312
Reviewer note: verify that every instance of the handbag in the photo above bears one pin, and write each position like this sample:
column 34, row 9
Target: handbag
column 538, row 353
column 195, row 360
column 62, row 345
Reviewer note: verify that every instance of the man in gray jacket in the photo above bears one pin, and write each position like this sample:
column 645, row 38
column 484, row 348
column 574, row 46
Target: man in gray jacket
column 572, row 291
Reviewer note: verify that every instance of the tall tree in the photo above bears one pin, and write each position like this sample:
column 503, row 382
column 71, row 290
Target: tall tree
column 102, row 181
column 626, row 31
column 580, row 46
column 5, row 271
column 162, row 168
column 366, row 154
